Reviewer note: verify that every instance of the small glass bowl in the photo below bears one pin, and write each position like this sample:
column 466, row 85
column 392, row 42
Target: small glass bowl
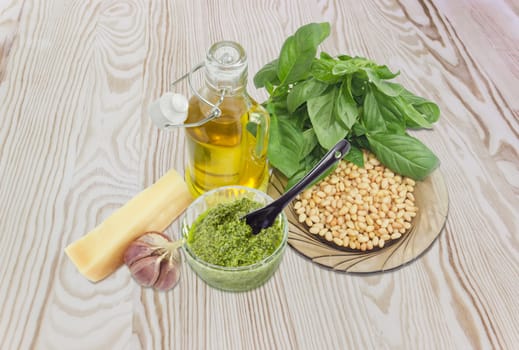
column 235, row 279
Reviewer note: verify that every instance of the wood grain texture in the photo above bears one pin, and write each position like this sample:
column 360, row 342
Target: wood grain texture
column 76, row 78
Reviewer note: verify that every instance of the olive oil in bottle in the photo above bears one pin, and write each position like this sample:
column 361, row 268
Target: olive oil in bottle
column 230, row 149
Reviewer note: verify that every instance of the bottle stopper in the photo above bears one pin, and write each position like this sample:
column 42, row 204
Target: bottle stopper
column 169, row 110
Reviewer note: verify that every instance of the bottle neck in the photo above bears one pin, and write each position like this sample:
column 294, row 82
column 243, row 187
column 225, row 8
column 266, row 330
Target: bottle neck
column 226, row 68
column 213, row 90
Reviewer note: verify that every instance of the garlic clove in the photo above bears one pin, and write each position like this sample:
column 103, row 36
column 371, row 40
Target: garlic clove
column 138, row 250
column 155, row 239
column 169, row 275
column 146, row 271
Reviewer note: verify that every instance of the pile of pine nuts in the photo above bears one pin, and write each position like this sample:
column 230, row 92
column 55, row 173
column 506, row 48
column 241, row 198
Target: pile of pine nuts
column 359, row 208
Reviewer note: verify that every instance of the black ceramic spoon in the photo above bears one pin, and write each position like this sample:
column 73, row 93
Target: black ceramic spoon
column 265, row 217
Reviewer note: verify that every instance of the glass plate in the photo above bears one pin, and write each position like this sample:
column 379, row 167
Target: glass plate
column 431, row 197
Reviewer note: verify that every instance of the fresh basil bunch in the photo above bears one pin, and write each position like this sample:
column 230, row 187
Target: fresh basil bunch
column 315, row 102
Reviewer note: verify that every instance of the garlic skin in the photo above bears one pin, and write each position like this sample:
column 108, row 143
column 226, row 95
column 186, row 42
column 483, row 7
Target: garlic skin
column 154, row 261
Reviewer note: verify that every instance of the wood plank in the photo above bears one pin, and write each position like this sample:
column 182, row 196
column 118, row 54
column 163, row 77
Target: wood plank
column 75, row 143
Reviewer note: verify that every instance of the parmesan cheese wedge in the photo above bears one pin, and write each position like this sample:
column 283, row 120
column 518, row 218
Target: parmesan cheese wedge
column 101, row 251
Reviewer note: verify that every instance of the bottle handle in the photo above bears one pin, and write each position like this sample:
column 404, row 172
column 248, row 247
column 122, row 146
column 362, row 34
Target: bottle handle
column 259, row 126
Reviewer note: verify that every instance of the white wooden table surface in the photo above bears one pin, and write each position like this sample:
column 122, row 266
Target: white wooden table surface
column 76, row 78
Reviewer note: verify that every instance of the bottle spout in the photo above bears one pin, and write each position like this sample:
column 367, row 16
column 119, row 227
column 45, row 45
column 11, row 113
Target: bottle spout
column 169, row 110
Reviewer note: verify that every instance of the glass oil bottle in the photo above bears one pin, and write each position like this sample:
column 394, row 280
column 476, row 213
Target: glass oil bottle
column 230, row 149
column 226, row 130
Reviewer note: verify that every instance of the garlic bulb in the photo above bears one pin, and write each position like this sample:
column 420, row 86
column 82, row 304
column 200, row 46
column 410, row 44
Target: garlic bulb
column 154, row 261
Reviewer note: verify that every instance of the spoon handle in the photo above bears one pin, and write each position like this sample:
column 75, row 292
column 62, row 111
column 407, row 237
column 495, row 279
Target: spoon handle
column 334, row 155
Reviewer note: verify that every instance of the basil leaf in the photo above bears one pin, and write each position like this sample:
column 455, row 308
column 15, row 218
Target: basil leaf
column 385, row 73
column 270, row 88
column 280, row 91
column 322, row 71
column 359, row 129
column 355, row 156
column 359, row 86
column 306, row 165
column 399, row 114
column 395, row 122
column 327, row 128
column 309, row 141
column 325, row 56
column 303, row 91
column 298, row 52
column 429, row 110
column 267, row 74
column 277, row 106
column 412, row 98
column 373, row 119
column 390, row 89
column 295, row 178
column 284, row 145
column 363, row 62
column 344, row 57
column 301, row 119
column 403, row 154
column 361, row 142
column 346, row 110
column 412, row 117
column 344, row 67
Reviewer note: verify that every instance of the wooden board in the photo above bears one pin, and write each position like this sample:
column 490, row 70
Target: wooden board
column 76, row 78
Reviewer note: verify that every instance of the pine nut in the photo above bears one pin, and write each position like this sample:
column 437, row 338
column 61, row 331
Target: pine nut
column 396, row 235
column 314, row 230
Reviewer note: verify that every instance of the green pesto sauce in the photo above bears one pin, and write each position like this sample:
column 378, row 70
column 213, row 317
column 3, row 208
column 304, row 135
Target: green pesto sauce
column 220, row 237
